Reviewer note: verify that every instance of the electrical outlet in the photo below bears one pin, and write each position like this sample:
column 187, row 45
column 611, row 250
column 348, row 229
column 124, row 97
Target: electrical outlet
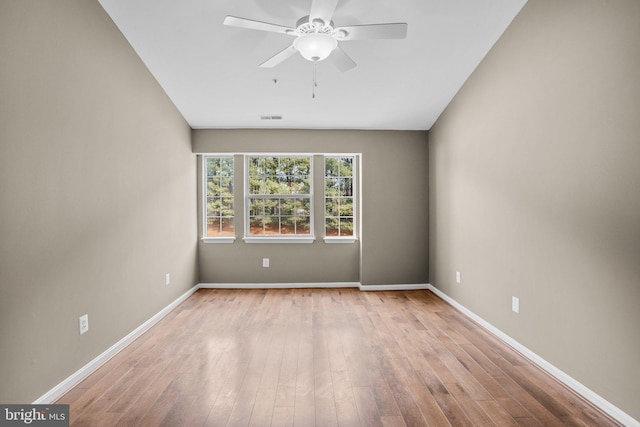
column 515, row 304
column 167, row 279
column 458, row 277
column 265, row 262
column 84, row 323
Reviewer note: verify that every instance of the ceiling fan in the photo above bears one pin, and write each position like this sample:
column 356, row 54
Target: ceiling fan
column 316, row 37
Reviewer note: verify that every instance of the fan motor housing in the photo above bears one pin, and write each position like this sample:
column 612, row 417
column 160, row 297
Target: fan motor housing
column 304, row 26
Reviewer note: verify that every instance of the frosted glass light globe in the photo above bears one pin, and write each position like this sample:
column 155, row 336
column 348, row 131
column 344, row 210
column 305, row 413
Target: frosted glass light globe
column 315, row 46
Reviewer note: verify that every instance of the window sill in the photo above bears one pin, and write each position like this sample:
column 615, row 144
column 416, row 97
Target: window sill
column 349, row 239
column 218, row 239
column 279, row 239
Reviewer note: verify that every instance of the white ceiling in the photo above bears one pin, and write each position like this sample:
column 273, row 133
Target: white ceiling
column 210, row 71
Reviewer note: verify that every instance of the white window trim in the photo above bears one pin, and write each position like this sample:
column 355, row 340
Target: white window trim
column 205, row 238
column 278, row 238
column 340, row 239
column 356, row 200
column 218, row 239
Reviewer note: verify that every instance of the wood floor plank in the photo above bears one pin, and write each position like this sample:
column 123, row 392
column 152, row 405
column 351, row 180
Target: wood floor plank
column 438, row 408
column 324, row 393
column 367, row 408
column 426, row 397
column 322, row 357
column 282, row 417
column 154, row 416
column 285, row 396
column 114, row 376
column 149, row 396
column 402, row 395
column 304, row 407
column 289, row 363
column 382, row 394
column 304, row 413
column 393, row 421
column 347, row 413
column 226, row 398
column 326, row 413
column 499, row 416
column 87, row 420
column 423, row 342
column 262, row 412
column 470, row 406
column 243, row 407
column 579, row 409
column 185, row 411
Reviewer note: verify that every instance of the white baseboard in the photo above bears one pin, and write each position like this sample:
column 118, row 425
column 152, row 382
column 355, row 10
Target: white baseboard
column 561, row 376
column 398, row 287
column 87, row 369
column 278, row 285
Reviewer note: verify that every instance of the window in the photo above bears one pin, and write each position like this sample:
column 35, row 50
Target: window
column 339, row 196
column 218, row 196
column 279, row 197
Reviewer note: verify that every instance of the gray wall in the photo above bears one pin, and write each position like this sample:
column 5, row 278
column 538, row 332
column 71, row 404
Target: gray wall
column 535, row 190
column 97, row 192
column 393, row 245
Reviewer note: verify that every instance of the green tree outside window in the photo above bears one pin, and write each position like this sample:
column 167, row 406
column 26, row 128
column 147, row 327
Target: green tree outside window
column 339, row 198
column 279, row 199
column 219, row 197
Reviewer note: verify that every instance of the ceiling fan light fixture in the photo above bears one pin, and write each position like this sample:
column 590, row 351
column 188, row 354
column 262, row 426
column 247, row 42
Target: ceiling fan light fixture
column 315, row 46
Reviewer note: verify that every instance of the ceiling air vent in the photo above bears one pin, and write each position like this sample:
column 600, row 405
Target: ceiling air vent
column 270, row 117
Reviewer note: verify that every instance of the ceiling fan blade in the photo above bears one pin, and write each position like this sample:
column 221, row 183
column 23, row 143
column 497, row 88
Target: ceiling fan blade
column 279, row 57
column 250, row 24
column 372, row 31
column 322, row 9
column 341, row 60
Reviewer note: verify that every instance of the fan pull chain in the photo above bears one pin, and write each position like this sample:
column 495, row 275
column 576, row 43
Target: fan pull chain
column 315, row 79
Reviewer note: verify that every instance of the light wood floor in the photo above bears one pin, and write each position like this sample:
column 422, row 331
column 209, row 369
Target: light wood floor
column 321, row 357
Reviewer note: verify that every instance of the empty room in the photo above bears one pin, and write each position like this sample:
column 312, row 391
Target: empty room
column 320, row 213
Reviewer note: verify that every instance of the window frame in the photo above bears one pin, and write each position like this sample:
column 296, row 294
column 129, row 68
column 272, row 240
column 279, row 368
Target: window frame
column 247, row 197
column 355, row 194
column 216, row 239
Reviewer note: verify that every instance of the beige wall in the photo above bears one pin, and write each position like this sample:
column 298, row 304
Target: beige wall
column 97, row 192
column 535, row 191
column 393, row 245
